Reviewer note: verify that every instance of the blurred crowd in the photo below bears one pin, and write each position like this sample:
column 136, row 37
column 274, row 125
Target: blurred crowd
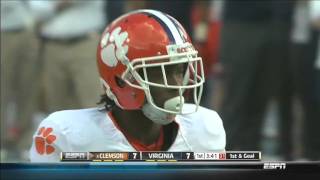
column 256, row 54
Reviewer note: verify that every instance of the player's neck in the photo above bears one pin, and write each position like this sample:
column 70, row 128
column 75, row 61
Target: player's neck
column 137, row 125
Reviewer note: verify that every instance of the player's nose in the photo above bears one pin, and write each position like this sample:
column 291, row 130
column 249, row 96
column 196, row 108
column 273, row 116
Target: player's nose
column 175, row 80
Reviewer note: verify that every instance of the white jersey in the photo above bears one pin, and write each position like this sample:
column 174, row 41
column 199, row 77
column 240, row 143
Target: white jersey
column 92, row 130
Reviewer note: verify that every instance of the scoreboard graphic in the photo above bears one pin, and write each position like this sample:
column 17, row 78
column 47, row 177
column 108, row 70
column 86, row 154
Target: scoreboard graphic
column 161, row 156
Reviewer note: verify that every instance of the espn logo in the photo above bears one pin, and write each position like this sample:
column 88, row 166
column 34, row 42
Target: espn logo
column 273, row 165
column 73, row 156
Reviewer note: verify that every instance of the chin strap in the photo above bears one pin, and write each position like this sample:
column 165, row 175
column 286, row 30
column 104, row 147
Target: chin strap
column 161, row 117
column 174, row 104
column 156, row 115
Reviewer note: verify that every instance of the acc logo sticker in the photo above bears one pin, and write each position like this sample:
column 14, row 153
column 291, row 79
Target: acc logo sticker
column 43, row 141
column 112, row 46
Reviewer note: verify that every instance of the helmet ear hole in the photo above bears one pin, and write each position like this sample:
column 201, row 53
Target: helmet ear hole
column 120, row 82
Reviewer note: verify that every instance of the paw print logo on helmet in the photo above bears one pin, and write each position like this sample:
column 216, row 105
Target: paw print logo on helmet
column 113, row 48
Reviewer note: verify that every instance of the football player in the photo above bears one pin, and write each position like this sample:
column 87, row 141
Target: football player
column 148, row 66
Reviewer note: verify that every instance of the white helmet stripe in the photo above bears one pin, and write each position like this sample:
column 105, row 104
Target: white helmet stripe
column 173, row 29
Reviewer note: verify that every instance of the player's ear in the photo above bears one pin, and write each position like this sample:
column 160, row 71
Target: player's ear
column 120, row 82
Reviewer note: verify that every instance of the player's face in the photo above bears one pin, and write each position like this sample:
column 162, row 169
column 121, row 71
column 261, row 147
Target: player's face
column 174, row 74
